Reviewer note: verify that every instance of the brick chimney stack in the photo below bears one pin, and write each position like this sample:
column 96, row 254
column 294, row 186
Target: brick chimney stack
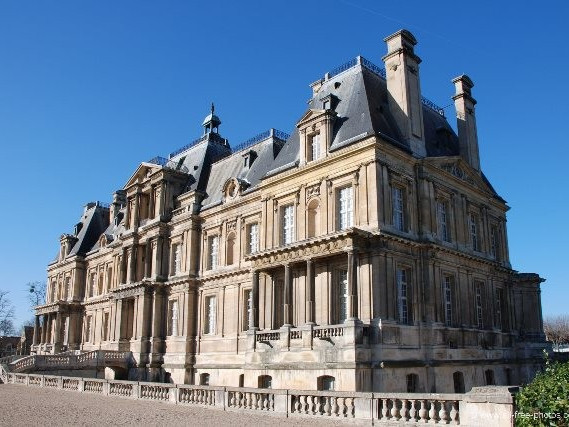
column 466, row 121
column 404, row 88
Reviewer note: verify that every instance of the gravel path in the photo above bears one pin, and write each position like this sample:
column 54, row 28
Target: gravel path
column 30, row 406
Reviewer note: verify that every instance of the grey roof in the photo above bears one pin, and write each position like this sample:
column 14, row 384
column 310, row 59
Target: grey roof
column 263, row 155
column 93, row 222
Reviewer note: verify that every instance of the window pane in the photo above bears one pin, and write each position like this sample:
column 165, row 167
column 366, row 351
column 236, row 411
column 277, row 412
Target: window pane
column 397, row 200
column 288, row 224
column 345, row 211
column 343, row 293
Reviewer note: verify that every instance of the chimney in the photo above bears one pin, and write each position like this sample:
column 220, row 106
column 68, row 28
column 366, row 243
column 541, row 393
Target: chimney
column 466, row 121
column 404, row 89
column 119, row 200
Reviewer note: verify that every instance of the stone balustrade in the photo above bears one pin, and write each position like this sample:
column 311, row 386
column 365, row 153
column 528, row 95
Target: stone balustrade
column 326, row 332
column 90, row 359
column 482, row 406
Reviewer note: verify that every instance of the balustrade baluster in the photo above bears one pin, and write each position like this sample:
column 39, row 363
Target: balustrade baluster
column 335, row 406
column 443, row 414
column 385, row 409
column 395, row 410
column 423, row 411
column 454, row 412
column 404, row 410
column 432, row 411
column 327, row 405
column 412, row 411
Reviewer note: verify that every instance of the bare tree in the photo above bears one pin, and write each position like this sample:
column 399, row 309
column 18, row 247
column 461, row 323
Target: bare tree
column 37, row 292
column 6, row 315
column 556, row 330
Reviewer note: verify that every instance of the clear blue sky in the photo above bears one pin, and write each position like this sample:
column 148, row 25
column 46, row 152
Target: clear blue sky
column 88, row 89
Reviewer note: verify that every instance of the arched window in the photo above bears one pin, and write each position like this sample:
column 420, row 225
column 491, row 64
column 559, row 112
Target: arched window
column 265, row 381
column 412, row 383
column 458, row 379
column 313, row 219
column 326, row 383
column 489, row 376
column 230, row 249
column 204, row 379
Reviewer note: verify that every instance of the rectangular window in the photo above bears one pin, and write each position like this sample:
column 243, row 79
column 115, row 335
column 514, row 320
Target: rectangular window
column 173, row 318
column 315, row 147
column 210, row 315
column 479, row 313
column 447, row 295
column 498, row 314
column 346, row 208
column 247, row 307
column 89, row 329
column 105, row 326
column 343, row 295
column 93, row 286
column 176, row 259
column 398, row 208
column 68, row 288
column 253, row 238
column 494, row 241
column 442, row 221
column 402, row 296
column 288, row 224
column 473, row 225
column 213, row 244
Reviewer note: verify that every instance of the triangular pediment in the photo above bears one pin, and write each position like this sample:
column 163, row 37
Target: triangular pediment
column 141, row 173
column 310, row 115
column 459, row 168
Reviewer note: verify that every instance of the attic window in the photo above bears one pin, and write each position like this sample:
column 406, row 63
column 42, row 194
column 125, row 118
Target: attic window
column 78, row 227
column 326, row 104
column 248, row 158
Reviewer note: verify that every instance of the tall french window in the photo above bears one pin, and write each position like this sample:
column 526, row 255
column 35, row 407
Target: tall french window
column 398, row 208
column 402, row 293
column 253, row 238
column 247, row 300
column 315, row 146
column 479, row 314
column 447, row 291
column 288, row 224
column 346, row 208
column 213, row 252
column 494, row 242
column 210, row 315
column 473, row 225
column 172, row 317
column 442, row 221
column 498, row 312
column 343, row 295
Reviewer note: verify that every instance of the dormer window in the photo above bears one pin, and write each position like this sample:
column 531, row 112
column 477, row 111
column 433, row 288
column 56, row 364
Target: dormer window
column 248, row 158
column 315, row 148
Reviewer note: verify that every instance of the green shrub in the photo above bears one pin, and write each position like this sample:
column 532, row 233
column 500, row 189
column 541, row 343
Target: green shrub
column 545, row 401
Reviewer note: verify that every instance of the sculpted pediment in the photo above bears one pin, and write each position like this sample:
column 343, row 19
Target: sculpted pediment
column 460, row 169
column 144, row 170
column 310, row 115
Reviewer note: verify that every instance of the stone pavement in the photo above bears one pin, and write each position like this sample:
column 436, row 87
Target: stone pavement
column 21, row 405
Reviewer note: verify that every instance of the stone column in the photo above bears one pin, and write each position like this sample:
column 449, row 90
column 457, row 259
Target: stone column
column 132, row 265
column 118, row 320
column 36, row 339
column 309, row 291
column 124, row 267
column 352, row 286
column 287, row 288
column 254, row 313
column 43, row 329
column 157, row 320
column 57, row 337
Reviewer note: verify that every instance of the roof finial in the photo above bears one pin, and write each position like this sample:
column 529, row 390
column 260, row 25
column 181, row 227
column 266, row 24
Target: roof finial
column 212, row 108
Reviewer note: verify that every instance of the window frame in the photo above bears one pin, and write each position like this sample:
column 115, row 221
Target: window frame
column 345, row 207
column 210, row 315
column 403, row 301
column 478, row 303
column 448, row 285
column 252, row 238
column 474, row 231
column 443, row 223
column 213, row 251
column 288, row 224
column 398, row 208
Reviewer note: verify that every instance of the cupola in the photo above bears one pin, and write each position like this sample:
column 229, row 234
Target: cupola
column 211, row 122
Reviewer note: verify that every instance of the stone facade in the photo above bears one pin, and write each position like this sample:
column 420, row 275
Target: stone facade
column 364, row 252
